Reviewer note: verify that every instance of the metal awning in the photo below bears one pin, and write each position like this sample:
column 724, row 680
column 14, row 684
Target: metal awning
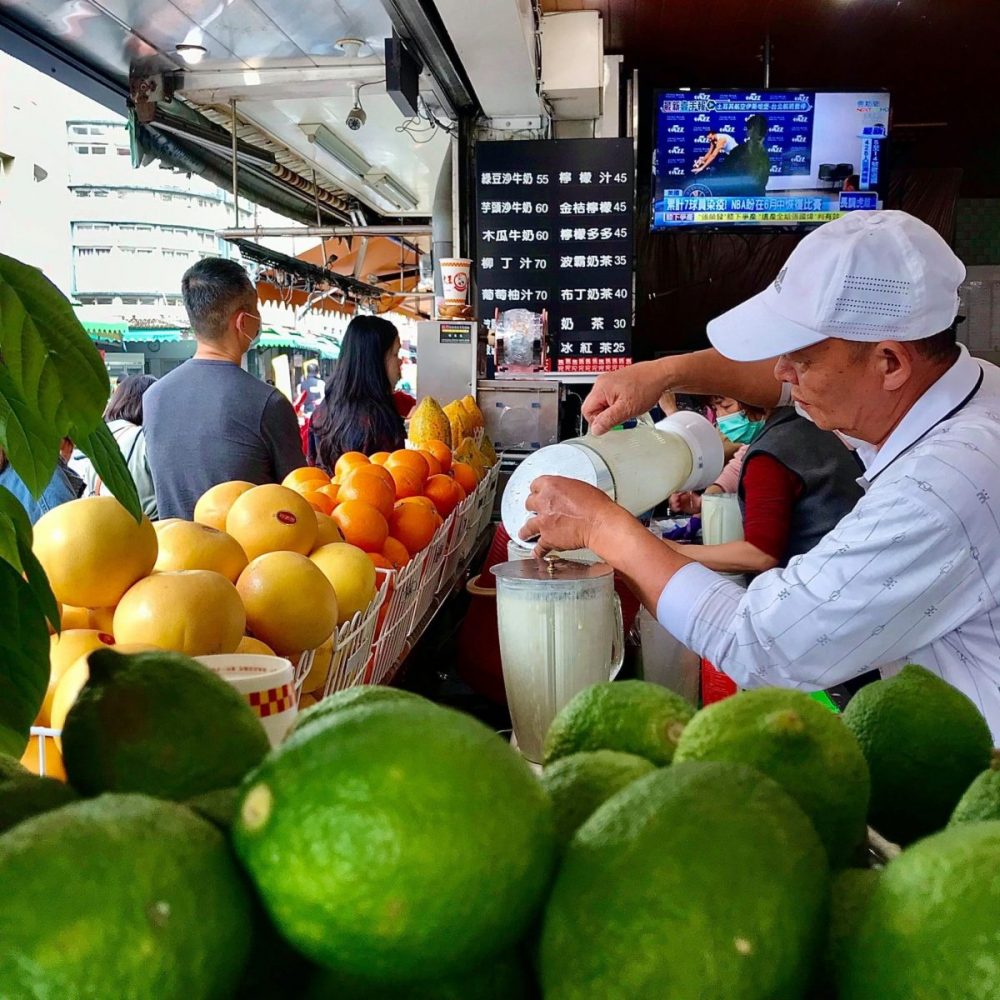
column 111, row 333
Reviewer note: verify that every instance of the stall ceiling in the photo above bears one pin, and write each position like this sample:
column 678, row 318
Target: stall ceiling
column 260, row 41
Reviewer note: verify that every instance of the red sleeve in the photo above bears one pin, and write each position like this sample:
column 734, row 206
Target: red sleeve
column 770, row 491
column 404, row 403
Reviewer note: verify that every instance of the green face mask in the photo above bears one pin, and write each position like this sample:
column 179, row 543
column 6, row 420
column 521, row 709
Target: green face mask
column 738, row 428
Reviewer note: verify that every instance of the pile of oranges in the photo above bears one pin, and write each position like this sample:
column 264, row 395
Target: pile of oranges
column 390, row 504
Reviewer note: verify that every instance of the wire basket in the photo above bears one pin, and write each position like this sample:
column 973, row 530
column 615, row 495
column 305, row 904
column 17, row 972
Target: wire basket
column 396, row 619
column 431, row 575
column 463, row 522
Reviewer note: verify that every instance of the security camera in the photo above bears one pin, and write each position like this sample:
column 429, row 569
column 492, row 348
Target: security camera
column 356, row 117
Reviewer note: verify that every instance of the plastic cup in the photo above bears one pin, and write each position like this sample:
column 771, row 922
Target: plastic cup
column 267, row 683
column 455, row 273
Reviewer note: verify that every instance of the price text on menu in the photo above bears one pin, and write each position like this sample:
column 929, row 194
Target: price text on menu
column 554, row 231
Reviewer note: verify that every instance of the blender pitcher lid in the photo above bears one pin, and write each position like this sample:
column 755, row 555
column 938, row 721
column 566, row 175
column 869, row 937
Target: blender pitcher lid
column 550, row 570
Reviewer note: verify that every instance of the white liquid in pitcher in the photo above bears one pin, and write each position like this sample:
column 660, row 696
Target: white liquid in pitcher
column 647, row 465
column 551, row 650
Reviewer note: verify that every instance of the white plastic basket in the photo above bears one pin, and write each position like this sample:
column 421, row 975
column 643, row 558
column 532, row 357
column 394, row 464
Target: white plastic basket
column 352, row 647
column 40, row 733
column 433, row 561
column 394, row 630
column 463, row 522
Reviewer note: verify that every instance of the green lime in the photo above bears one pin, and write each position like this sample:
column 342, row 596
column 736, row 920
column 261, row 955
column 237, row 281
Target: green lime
column 24, row 797
column 981, row 799
column 930, row 930
column 397, row 841
column 699, row 880
column 925, row 742
column 161, row 724
column 579, row 783
column 120, row 896
column 801, row 745
column 363, row 694
column 631, row 716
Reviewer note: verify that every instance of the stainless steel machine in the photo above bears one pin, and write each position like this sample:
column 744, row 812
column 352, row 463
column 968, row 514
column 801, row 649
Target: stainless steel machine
column 446, row 358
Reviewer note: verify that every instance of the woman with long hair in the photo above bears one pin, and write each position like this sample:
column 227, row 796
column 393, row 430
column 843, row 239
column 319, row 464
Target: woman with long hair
column 123, row 416
column 358, row 412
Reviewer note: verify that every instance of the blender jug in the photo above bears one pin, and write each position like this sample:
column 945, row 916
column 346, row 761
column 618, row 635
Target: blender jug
column 637, row 468
column 560, row 626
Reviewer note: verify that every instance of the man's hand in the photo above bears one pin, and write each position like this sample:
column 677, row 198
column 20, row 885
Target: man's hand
column 685, row 503
column 622, row 395
column 568, row 514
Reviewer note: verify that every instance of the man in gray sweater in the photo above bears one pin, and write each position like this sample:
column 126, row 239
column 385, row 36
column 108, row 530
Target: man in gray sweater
column 209, row 421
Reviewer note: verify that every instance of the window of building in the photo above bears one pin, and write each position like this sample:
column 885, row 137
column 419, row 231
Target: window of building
column 123, row 151
column 93, row 227
column 93, row 251
column 99, row 193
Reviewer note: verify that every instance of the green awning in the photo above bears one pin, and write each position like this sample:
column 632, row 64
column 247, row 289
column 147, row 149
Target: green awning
column 163, row 335
column 109, row 332
column 270, row 339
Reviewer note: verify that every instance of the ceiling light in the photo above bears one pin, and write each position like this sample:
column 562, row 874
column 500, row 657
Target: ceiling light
column 392, row 190
column 191, row 54
column 342, row 152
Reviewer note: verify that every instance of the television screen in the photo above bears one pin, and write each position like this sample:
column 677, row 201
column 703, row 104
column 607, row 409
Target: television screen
column 766, row 158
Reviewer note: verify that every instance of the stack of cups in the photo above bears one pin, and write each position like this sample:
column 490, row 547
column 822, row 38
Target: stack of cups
column 455, row 273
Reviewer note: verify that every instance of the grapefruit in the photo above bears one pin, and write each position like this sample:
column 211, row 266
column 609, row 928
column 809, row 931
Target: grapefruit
column 254, row 647
column 64, row 650
column 272, row 518
column 190, row 545
column 289, row 602
column 193, row 611
column 327, row 530
column 351, row 574
column 213, row 507
column 92, row 551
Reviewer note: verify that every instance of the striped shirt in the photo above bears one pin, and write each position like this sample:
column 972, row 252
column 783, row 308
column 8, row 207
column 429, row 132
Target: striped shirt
column 912, row 574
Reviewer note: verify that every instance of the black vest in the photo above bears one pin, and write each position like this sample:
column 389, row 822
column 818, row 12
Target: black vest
column 827, row 469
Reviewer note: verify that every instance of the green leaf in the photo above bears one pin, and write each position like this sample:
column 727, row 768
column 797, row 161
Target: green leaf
column 52, row 371
column 109, row 463
column 24, row 660
column 15, row 548
column 31, row 445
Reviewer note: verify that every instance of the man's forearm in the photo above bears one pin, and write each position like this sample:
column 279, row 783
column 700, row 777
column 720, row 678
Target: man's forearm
column 708, row 373
column 731, row 557
column 645, row 561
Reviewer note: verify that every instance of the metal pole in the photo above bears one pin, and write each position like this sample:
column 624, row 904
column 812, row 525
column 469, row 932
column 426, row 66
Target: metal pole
column 319, row 218
column 236, row 196
column 266, row 232
column 767, row 60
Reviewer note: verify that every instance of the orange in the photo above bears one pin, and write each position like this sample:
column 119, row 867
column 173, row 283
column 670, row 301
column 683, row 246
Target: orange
column 272, row 518
column 375, row 471
column 347, row 461
column 289, row 603
column 331, row 490
column 64, row 650
column 352, row 574
column 362, row 525
column 395, row 551
column 420, row 501
column 53, row 759
column 465, row 476
column 321, row 502
column 306, row 478
column 410, row 459
column 193, row 611
column 214, row 504
column 379, row 458
column 362, row 484
column 433, row 465
column 254, row 647
column 409, row 482
column 445, row 493
column 328, row 531
column 379, row 561
column 441, row 452
column 414, row 526
column 92, row 551
column 189, row 545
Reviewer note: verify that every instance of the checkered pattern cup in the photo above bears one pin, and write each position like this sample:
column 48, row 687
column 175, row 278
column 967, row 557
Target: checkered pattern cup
column 267, row 683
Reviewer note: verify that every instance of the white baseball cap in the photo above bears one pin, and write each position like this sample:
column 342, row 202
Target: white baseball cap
column 868, row 276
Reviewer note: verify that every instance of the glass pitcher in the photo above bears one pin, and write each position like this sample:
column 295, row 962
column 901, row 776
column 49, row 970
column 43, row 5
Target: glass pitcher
column 560, row 626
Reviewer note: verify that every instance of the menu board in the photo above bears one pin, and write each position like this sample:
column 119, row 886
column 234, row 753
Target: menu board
column 554, row 232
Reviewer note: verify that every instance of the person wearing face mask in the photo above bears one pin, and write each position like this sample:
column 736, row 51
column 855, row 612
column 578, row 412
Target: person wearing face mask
column 795, row 482
column 209, row 421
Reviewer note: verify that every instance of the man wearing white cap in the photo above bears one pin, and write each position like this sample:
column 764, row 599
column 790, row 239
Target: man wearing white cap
column 861, row 321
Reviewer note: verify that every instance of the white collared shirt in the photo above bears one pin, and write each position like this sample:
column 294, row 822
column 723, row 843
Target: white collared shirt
column 911, row 575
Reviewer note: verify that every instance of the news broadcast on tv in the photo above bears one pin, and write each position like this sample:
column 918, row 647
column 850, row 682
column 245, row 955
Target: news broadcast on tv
column 766, row 158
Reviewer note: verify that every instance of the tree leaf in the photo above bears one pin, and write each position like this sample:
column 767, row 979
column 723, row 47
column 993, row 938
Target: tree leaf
column 24, row 660
column 15, row 548
column 102, row 449
column 52, row 371
column 31, row 445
